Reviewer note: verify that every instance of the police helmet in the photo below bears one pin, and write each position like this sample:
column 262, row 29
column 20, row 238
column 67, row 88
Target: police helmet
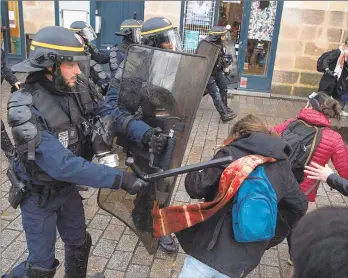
column 217, row 33
column 52, row 46
column 131, row 28
column 159, row 32
column 84, row 30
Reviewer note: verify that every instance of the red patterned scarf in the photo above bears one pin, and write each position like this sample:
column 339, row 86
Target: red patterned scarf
column 176, row 218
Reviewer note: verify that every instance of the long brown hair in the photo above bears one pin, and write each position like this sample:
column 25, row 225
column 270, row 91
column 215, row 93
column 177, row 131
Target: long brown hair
column 326, row 105
column 245, row 126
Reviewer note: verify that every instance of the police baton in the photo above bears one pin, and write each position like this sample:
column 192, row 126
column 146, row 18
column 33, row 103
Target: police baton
column 176, row 171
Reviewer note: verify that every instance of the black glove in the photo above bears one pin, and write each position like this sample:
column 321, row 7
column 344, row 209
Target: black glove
column 155, row 139
column 132, row 184
column 330, row 72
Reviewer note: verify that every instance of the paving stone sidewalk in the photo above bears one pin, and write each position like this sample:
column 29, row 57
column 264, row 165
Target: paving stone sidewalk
column 116, row 250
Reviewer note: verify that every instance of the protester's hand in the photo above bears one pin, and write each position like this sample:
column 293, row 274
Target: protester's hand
column 158, row 141
column 317, row 172
column 17, row 84
column 132, row 184
column 155, row 139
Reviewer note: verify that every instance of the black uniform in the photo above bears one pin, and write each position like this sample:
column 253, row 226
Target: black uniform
column 217, row 84
column 130, row 33
column 7, row 74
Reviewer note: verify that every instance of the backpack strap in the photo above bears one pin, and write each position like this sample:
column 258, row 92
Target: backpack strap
column 316, row 140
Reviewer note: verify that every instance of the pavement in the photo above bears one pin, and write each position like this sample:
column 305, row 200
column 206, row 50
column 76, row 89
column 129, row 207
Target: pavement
column 116, row 250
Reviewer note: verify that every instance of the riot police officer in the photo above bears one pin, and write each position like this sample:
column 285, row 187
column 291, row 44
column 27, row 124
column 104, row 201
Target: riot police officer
column 217, row 84
column 97, row 73
column 159, row 32
column 130, row 33
column 57, row 123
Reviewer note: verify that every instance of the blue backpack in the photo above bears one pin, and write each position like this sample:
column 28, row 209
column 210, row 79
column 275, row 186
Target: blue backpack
column 254, row 212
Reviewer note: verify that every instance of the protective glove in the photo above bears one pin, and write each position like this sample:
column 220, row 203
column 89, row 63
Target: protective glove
column 132, row 184
column 330, row 72
column 156, row 140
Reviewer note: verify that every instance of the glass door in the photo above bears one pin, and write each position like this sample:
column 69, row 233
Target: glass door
column 257, row 49
column 12, row 23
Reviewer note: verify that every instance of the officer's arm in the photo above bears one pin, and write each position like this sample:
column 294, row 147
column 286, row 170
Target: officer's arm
column 101, row 57
column 6, row 72
column 62, row 164
column 124, row 122
column 42, row 147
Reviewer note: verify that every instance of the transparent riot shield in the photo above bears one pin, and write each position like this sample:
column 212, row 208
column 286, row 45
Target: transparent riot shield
column 164, row 89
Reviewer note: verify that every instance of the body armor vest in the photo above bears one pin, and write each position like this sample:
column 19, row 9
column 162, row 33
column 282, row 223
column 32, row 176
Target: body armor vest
column 67, row 117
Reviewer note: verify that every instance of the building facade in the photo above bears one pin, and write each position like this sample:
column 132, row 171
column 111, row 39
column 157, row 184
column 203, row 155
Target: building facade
column 277, row 42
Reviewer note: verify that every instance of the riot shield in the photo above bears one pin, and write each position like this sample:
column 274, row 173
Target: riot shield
column 164, row 89
column 209, row 50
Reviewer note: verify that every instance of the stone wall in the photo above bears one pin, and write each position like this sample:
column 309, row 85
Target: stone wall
column 168, row 9
column 308, row 28
column 37, row 14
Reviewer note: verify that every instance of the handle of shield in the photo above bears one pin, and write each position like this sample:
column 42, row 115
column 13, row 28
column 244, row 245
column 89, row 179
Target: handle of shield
column 176, row 171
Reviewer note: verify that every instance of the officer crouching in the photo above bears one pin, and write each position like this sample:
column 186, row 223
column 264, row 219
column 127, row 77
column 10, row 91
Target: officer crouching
column 57, row 122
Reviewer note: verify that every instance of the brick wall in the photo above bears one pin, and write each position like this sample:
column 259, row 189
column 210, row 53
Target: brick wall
column 308, row 28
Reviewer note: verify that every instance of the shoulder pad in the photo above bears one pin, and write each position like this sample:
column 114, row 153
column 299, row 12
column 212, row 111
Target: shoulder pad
column 20, row 98
column 26, row 137
column 18, row 115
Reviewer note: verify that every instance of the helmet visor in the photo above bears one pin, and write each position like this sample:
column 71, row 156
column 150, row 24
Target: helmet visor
column 88, row 33
column 170, row 40
column 77, row 66
column 136, row 35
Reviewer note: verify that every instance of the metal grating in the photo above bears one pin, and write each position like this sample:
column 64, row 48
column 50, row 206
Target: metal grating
column 198, row 19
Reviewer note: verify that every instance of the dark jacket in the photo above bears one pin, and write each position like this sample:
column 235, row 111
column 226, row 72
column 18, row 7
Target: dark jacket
column 331, row 146
column 6, row 73
column 338, row 183
column 228, row 256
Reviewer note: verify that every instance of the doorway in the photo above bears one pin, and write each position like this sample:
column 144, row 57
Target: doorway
column 255, row 30
column 13, row 33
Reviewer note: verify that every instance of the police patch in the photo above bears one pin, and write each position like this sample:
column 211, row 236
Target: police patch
column 63, row 138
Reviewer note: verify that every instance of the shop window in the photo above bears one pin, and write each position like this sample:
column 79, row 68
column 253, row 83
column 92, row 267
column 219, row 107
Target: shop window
column 197, row 21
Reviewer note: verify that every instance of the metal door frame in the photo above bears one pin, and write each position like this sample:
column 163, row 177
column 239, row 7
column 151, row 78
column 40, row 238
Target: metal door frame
column 258, row 83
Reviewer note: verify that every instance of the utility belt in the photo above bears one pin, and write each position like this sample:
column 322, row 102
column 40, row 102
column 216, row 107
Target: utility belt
column 19, row 190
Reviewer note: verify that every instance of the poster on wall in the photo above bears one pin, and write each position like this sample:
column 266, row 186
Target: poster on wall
column 11, row 19
column 262, row 20
column 191, row 39
column 199, row 12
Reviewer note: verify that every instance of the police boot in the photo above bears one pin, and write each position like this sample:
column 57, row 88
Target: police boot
column 223, row 94
column 222, row 109
column 6, row 144
column 76, row 259
column 39, row 272
column 167, row 244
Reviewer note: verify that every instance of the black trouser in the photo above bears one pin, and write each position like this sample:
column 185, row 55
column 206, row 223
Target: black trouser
column 220, row 100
